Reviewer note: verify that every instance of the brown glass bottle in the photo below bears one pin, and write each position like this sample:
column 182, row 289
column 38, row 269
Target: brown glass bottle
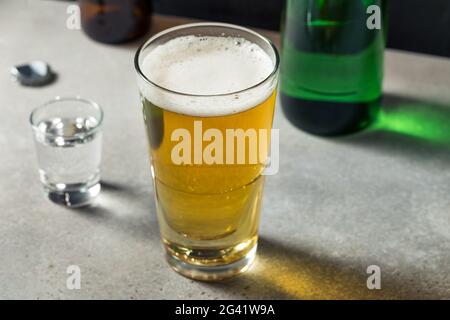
column 115, row 21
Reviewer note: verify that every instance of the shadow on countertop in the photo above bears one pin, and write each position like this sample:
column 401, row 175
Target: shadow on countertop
column 410, row 128
column 282, row 272
column 414, row 128
column 111, row 210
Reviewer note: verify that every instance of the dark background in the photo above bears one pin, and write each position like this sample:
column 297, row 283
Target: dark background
column 415, row 25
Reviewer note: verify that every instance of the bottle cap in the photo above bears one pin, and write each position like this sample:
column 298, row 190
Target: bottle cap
column 35, row 73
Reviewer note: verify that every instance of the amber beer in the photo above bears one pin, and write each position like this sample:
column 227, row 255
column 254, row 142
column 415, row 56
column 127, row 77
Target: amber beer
column 208, row 94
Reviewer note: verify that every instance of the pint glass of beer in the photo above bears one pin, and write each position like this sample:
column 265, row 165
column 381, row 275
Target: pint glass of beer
column 208, row 96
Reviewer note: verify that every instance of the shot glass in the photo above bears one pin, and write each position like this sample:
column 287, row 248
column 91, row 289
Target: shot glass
column 68, row 138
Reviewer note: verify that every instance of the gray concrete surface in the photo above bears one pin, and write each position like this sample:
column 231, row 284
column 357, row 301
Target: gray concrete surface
column 336, row 207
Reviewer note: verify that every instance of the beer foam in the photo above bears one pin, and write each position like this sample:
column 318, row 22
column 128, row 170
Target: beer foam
column 207, row 67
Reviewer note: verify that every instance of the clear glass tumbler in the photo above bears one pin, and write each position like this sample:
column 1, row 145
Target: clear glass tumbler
column 67, row 134
column 222, row 78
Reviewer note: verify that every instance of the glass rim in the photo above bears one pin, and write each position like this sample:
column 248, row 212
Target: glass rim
column 206, row 24
column 59, row 99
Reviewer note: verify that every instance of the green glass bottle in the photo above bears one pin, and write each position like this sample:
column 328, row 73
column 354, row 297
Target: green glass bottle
column 332, row 63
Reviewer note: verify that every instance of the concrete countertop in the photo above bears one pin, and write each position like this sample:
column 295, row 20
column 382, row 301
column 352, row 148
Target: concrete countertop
column 381, row 197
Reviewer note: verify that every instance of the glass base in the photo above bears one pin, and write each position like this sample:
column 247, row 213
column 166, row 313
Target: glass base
column 74, row 197
column 213, row 271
